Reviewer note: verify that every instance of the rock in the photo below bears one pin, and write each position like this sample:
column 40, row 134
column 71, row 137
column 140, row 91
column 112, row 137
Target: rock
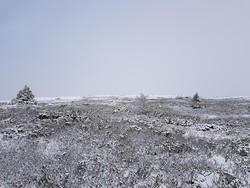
column 136, row 127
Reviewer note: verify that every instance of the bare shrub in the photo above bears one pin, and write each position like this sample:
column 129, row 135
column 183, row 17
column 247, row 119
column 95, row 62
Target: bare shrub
column 142, row 104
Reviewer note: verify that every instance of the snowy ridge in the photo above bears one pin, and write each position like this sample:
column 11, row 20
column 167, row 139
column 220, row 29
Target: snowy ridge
column 103, row 97
column 61, row 99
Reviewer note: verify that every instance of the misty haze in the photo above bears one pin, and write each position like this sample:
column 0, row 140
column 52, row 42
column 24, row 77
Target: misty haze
column 144, row 94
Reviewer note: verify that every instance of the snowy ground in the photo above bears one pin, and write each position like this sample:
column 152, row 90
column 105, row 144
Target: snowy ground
column 120, row 141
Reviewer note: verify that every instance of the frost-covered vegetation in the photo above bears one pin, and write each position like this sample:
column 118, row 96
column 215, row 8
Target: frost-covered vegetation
column 24, row 96
column 126, row 142
column 196, row 101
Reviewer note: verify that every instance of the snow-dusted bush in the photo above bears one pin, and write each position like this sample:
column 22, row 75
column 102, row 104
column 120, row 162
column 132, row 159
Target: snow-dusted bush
column 141, row 103
column 24, row 96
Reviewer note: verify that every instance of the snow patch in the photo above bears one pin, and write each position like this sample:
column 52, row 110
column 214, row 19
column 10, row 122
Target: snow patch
column 227, row 164
column 49, row 148
column 206, row 180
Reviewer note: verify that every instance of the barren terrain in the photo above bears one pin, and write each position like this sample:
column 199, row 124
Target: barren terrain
column 125, row 142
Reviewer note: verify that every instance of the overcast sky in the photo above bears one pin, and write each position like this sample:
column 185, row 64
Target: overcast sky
column 97, row 47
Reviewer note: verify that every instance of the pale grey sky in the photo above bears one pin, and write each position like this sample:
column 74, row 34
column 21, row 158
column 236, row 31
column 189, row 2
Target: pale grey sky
column 162, row 47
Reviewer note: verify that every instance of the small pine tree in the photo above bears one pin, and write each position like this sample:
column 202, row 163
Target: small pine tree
column 196, row 97
column 195, row 101
column 24, row 96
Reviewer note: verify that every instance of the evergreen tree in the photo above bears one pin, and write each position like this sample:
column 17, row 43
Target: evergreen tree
column 196, row 97
column 24, row 96
column 195, row 101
